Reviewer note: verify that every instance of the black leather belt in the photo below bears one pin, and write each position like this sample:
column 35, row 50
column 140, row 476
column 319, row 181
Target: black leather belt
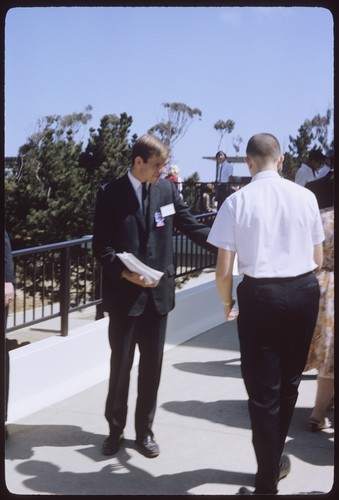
column 276, row 280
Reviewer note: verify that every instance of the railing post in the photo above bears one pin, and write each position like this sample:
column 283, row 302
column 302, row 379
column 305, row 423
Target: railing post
column 65, row 266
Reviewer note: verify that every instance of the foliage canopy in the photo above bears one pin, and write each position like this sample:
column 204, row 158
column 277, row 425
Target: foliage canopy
column 50, row 190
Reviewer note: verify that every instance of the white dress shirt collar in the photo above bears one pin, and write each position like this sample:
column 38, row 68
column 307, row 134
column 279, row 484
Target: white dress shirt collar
column 134, row 181
column 137, row 185
column 265, row 174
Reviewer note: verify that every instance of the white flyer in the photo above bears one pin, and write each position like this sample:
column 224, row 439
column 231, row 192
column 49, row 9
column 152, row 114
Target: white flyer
column 136, row 266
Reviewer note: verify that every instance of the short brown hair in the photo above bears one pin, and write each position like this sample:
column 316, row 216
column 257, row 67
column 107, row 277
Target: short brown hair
column 148, row 145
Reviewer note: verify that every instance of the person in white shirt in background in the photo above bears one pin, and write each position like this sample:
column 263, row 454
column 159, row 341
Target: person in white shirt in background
column 308, row 172
column 223, row 174
column 274, row 227
column 328, row 165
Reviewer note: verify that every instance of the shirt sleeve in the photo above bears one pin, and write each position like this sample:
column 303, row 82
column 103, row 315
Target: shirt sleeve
column 318, row 235
column 222, row 233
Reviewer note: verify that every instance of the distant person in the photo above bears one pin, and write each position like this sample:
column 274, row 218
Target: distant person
column 321, row 354
column 266, row 223
column 9, row 296
column 327, row 166
column 173, row 175
column 127, row 221
column 224, row 172
column 308, row 172
column 204, row 203
column 207, row 200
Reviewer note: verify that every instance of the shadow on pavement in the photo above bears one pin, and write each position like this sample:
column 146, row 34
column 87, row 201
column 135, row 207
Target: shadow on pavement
column 223, row 368
column 232, row 413
column 117, row 477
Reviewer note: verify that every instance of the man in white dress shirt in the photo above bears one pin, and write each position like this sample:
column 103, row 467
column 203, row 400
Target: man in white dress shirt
column 224, row 172
column 309, row 171
column 274, row 227
column 327, row 166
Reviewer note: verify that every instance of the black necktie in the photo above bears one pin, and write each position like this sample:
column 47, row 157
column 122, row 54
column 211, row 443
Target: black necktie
column 144, row 197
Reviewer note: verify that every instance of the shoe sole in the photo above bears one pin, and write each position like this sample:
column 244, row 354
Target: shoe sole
column 146, row 453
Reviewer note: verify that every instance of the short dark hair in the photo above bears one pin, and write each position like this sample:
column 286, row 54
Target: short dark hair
column 220, row 153
column 316, row 155
column 263, row 145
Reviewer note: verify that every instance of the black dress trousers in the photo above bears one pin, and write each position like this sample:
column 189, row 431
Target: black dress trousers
column 275, row 325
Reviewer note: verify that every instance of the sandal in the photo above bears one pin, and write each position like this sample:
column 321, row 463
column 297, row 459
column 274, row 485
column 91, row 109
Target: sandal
column 317, row 425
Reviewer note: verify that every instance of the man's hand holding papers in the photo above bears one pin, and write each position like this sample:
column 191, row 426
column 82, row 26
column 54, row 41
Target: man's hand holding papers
column 140, row 274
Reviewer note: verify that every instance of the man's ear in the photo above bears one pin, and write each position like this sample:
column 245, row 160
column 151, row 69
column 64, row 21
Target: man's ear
column 138, row 161
column 249, row 162
column 280, row 162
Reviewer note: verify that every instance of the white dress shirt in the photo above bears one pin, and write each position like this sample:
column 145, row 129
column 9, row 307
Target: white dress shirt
column 305, row 174
column 272, row 224
column 137, row 185
column 324, row 170
column 225, row 170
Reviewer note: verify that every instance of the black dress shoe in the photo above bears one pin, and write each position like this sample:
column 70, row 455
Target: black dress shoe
column 284, row 466
column 112, row 444
column 147, row 446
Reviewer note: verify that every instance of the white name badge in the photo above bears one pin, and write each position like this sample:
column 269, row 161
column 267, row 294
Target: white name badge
column 167, row 210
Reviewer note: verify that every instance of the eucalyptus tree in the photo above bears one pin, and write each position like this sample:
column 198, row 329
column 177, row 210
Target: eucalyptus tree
column 179, row 117
column 223, row 127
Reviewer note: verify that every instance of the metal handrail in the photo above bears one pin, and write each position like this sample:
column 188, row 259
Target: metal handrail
column 64, row 277
column 51, row 246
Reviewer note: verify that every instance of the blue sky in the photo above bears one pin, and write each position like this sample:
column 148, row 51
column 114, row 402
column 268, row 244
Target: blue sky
column 267, row 69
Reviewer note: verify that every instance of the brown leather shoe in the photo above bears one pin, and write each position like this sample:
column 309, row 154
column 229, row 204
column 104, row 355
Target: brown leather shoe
column 147, row 446
column 112, row 444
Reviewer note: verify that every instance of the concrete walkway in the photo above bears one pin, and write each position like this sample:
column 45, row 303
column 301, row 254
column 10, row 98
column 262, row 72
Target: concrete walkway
column 201, row 425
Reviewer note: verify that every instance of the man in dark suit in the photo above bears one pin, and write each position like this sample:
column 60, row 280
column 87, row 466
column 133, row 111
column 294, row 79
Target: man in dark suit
column 138, row 309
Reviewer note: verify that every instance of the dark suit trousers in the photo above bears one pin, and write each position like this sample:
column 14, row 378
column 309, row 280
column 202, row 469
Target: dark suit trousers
column 275, row 326
column 148, row 331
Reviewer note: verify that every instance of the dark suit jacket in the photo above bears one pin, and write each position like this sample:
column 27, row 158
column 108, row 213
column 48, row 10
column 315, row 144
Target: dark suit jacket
column 119, row 226
column 323, row 189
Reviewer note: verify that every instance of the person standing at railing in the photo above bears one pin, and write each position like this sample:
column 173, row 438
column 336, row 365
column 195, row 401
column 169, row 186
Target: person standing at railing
column 274, row 227
column 223, row 174
column 127, row 221
column 9, row 296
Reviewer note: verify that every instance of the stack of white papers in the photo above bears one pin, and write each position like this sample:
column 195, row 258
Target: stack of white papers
column 136, row 266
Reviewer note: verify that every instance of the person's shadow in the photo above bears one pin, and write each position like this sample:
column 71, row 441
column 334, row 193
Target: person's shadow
column 117, row 477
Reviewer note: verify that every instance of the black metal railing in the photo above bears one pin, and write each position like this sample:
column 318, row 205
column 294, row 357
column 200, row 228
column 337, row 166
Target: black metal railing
column 55, row 280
